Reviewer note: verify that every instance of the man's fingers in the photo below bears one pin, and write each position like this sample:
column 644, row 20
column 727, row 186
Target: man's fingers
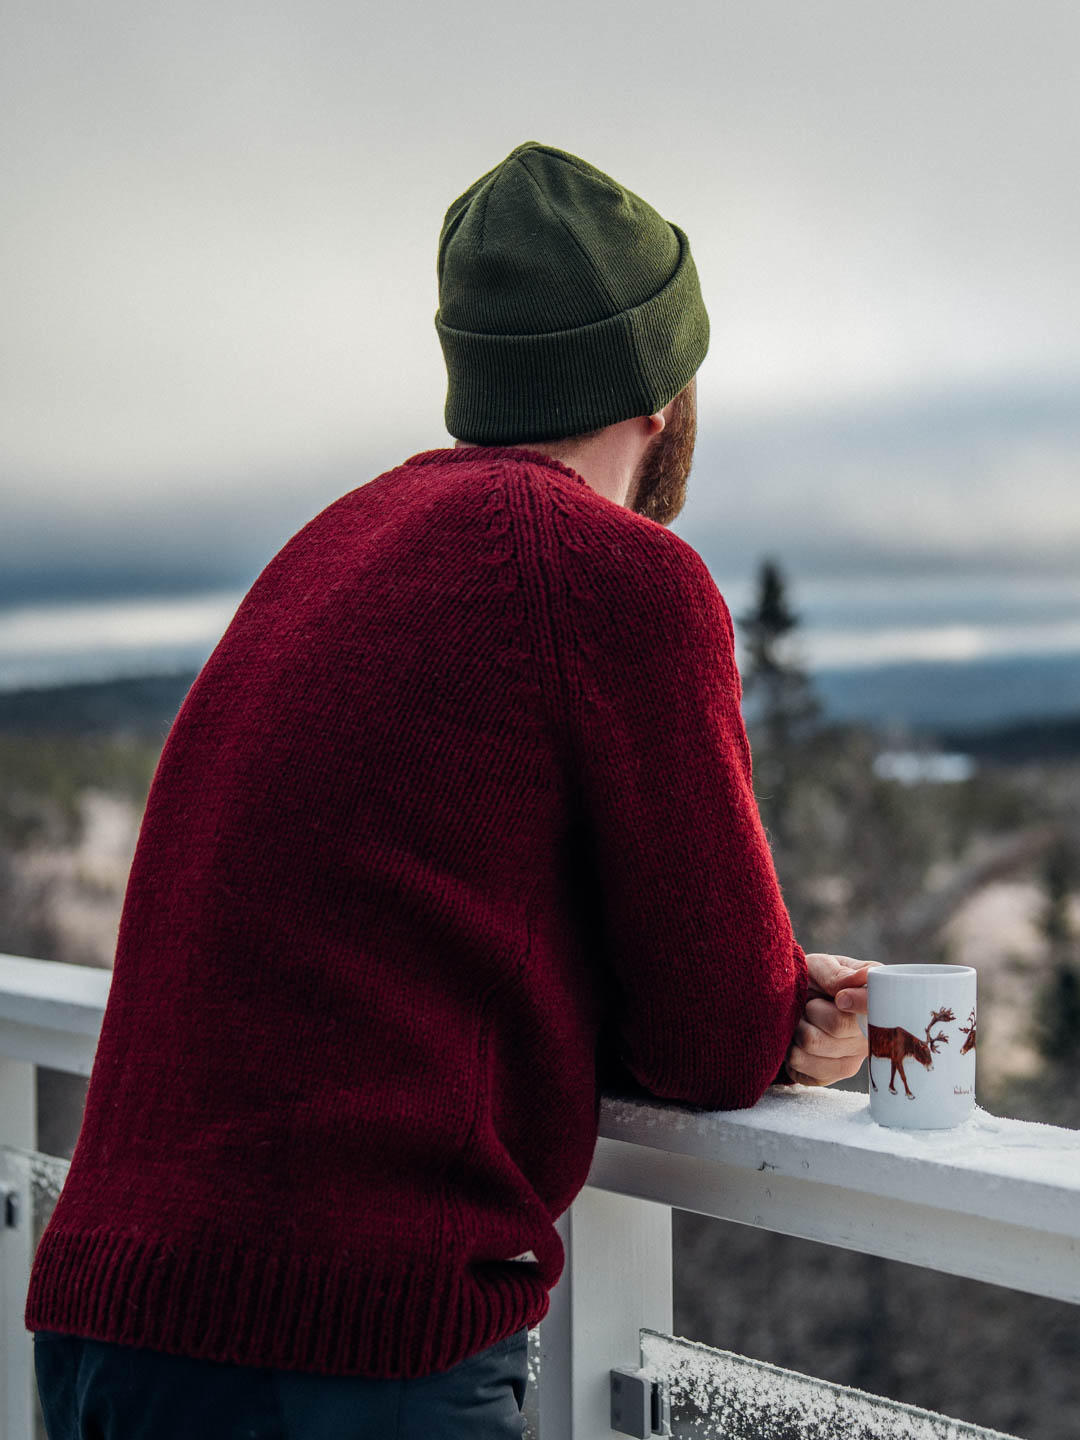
column 853, row 1001
column 810, row 1069
column 853, row 992
column 828, row 1044
column 823, row 1013
column 813, row 1040
column 827, row 970
column 831, row 973
column 847, row 975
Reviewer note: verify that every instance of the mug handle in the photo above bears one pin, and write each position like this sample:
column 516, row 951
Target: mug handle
column 863, row 1023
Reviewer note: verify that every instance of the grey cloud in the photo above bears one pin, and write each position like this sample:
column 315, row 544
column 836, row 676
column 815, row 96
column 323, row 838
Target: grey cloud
column 220, row 223
column 972, row 481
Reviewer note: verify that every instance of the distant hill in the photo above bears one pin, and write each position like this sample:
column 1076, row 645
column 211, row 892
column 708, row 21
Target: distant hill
column 1020, row 742
column 949, row 695
column 1011, row 710
column 138, row 704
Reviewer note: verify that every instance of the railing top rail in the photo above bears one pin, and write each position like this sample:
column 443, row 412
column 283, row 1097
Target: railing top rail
column 1010, row 1171
column 49, row 995
column 1007, row 1171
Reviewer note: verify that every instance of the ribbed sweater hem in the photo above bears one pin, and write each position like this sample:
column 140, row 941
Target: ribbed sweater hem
column 309, row 1313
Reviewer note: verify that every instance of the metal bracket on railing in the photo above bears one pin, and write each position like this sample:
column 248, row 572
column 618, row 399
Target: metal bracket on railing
column 639, row 1405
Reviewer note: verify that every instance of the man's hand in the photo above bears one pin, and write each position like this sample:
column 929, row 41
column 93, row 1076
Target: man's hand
column 828, row 1044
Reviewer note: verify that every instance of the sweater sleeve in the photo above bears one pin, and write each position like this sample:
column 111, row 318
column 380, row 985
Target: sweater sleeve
column 709, row 983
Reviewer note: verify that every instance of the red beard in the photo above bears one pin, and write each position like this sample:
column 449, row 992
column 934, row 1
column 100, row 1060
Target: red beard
column 660, row 480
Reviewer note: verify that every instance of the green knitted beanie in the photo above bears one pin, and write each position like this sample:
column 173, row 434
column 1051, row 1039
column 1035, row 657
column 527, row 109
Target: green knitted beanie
column 566, row 303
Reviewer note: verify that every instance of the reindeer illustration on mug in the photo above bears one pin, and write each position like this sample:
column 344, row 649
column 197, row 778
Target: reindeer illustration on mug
column 969, row 1031
column 939, row 1092
column 895, row 1044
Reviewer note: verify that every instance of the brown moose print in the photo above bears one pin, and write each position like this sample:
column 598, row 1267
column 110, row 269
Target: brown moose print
column 897, row 1045
column 969, row 1031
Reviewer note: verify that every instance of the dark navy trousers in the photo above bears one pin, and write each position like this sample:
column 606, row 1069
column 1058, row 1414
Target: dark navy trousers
column 91, row 1390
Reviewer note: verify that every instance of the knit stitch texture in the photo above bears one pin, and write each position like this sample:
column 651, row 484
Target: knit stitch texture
column 454, row 828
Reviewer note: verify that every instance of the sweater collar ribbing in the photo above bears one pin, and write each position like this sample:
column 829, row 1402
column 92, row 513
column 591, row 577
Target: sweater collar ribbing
column 517, row 453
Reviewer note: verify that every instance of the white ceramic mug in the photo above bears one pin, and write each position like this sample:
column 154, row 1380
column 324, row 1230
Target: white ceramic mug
column 920, row 1025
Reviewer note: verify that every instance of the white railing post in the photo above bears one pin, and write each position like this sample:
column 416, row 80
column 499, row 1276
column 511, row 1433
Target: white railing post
column 50, row 1014
column 617, row 1279
column 18, row 1105
column 18, row 1126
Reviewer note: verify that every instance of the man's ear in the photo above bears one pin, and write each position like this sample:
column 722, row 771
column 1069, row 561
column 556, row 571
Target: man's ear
column 660, row 418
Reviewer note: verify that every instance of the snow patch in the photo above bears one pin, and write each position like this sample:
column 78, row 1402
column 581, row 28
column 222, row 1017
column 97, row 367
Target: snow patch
column 716, row 1395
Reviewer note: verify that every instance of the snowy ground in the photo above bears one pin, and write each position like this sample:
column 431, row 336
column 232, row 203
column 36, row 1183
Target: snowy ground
column 996, row 932
column 83, row 885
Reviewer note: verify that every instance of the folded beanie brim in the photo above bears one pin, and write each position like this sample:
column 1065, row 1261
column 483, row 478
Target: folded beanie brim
column 543, row 386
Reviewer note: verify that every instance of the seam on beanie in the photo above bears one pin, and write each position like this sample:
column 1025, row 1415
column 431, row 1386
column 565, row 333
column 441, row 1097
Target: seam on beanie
column 583, row 167
column 450, row 229
column 596, row 276
column 486, row 196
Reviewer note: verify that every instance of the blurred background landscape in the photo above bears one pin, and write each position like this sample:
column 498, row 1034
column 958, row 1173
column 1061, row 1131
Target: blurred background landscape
column 219, row 270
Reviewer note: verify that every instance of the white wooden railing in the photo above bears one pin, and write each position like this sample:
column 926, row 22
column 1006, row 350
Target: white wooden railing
column 997, row 1200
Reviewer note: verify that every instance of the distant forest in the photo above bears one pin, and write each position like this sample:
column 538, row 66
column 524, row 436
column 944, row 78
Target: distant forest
column 146, row 705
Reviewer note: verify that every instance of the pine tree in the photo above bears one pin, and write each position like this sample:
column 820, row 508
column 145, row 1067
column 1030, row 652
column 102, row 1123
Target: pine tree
column 782, row 709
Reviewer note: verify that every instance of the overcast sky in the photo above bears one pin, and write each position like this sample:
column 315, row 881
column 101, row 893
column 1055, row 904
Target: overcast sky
column 218, row 258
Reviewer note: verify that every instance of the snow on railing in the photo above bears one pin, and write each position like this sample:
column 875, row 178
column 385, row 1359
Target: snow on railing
column 996, row 1199
column 716, row 1395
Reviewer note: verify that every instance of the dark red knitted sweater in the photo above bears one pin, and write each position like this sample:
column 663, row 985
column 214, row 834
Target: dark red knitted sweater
column 454, row 826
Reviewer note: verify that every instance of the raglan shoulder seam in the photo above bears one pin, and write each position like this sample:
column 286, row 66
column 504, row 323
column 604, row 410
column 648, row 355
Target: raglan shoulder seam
column 579, row 558
column 501, row 554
